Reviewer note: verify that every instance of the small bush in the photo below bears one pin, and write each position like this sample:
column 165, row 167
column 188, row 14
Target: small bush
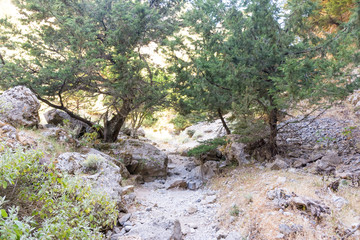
column 190, row 133
column 234, row 211
column 150, row 121
column 92, row 162
column 64, row 206
column 181, row 122
column 89, row 139
column 206, row 146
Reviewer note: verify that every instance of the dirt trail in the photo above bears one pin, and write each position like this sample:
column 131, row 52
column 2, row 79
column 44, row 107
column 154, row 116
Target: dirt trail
column 157, row 207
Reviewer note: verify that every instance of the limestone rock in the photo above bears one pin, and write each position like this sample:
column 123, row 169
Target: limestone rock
column 11, row 138
column 177, row 234
column 142, row 158
column 332, row 157
column 285, row 229
column 234, row 150
column 339, row 202
column 9, row 135
column 179, row 183
column 56, row 117
column 103, row 174
column 19, row 107
column 123, row 170
column 279, row 164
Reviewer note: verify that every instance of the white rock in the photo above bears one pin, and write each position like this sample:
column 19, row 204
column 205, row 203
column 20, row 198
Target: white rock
column 19, row 107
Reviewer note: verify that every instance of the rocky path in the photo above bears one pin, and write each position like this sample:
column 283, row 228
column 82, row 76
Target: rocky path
column 161, row 205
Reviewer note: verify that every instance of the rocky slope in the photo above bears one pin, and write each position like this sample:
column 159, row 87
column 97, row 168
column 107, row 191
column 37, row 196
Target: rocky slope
column 310, row 191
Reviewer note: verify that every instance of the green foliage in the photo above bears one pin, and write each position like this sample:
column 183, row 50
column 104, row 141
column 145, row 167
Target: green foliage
column 181, row 122
column 89, row 139
column 150, row 121
column 67, row 207
column 348, row 132
column 261, row 57
column 206, row 146
column 15, row 164
column 10, row 225
column 234, row 211
column 202, row 80
column 75, row 52
column 251, row 130
column 332, row 14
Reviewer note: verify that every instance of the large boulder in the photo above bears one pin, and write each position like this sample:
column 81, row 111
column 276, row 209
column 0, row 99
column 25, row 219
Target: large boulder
column 57, row 117
column 234, row 150
column 101, row 170
column 142, row 158
column 19, row 107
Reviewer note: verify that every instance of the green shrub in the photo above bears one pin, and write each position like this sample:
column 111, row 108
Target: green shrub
column 250, row 130
column 190, row 133
column 234, row 211
column 181, row 122
column 150, row 121
column 206, row 146
column 66, row 207
column 10, row 225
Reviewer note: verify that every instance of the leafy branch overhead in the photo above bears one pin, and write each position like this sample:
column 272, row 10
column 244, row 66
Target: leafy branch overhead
column 96, row 47
column 262, row 58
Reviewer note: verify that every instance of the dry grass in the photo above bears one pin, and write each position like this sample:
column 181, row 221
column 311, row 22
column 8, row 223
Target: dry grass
column 48, row 145
column 238, row 186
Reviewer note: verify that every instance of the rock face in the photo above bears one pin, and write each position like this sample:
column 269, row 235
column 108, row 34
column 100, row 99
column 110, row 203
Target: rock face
column 281, row 199
column 141, row 158
column 279, row 164
column 56, row 117
column 19, row 107
column 234, row 150
column 103, row 173
column 11, row 138
column 8, row 135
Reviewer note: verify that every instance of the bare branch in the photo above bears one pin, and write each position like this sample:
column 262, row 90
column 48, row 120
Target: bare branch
column 2, row 59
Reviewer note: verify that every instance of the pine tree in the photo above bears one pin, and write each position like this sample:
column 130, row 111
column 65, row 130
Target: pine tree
column 262, row 57
column 92, row 46
column 202, row 82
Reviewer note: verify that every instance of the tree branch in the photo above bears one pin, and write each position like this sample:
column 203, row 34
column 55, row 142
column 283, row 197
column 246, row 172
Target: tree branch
column 71, row 114
column 2, row 59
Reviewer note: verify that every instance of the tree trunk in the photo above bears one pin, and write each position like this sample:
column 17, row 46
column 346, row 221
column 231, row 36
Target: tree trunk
column 113, row 126
column 228, row 132
column 273, row 118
